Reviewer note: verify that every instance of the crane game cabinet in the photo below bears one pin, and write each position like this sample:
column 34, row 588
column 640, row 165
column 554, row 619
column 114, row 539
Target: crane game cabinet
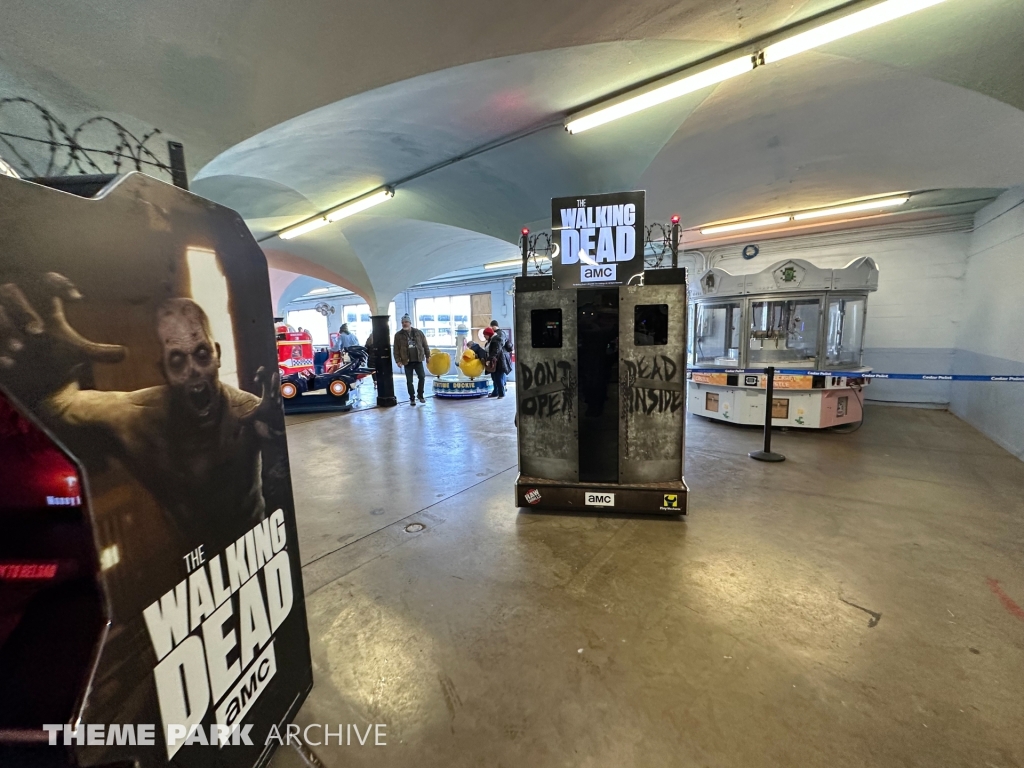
column 601, row 367
column 151, row 604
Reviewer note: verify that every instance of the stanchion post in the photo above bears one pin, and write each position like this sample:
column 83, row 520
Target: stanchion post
column 766, row 454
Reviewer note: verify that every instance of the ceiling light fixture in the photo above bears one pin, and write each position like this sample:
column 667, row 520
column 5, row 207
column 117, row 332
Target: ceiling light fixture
column 738, row 225
column 843, row 27
column 508, row 263
column 879, row 203
column 659, row 95
column 868, row 205
column 340, row 212
column 684, row 83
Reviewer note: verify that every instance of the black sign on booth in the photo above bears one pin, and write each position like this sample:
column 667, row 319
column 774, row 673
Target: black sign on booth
column 598, row 239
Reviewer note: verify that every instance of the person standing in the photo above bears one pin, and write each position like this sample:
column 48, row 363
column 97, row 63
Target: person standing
column 499, row 362
column 411, row 349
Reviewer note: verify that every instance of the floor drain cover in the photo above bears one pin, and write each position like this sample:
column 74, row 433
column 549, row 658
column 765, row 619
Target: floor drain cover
column 414, row 527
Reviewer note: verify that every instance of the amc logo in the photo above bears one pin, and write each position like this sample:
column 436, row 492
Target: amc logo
column 600, row 499
column 597, row 274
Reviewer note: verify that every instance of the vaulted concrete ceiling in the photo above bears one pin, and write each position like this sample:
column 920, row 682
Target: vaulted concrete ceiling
column 325, row 101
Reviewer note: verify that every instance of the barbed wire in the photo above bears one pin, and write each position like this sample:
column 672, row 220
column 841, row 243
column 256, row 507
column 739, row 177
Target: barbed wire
column 67, row 154
column 657, row 240
column 657, row 247
column 539, row 251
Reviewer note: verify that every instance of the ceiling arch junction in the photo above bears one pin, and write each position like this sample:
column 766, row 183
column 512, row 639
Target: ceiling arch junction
column 869, row 114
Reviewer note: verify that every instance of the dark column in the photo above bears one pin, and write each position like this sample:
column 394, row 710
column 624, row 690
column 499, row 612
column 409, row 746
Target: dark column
column 380, row 358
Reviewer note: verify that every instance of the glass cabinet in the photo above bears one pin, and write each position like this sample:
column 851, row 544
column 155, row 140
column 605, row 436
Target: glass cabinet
column 816, row 331
column 716, row 336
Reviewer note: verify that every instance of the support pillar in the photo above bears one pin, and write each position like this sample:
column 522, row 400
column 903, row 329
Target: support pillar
column 380, row 359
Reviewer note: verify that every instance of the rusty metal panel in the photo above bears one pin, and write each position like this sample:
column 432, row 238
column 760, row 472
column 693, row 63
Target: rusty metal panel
column 546, row 389
column 652, row 387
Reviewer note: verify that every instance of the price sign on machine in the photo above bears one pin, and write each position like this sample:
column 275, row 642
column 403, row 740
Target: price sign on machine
column 598, row 239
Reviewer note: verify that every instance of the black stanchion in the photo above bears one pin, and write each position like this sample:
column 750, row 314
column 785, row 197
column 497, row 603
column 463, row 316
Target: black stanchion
column 766, row 454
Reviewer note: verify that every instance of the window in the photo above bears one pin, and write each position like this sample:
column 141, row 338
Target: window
column 716, row 334
column 440, row 317
column 845, row 332
column 312, row 321
column 546, row 328
column 360, row 320
column 650, row 325
column 785, row 332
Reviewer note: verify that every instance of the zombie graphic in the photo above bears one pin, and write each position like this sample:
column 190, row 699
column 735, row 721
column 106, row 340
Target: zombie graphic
column 194, row 442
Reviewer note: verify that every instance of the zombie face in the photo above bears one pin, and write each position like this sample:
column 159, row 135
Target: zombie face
column 191, row 358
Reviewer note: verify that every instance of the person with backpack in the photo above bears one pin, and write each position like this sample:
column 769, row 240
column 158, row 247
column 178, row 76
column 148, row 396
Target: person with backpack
column 499, row 358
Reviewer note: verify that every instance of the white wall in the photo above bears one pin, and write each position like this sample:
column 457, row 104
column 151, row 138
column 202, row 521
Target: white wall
column 913, row 318
column 991, row 335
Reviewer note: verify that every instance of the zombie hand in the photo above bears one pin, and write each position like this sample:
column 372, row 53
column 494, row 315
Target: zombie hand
column 38, row 348
column 263, row 415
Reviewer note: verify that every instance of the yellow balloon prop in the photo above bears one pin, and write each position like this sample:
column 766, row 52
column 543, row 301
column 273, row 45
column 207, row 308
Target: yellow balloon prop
column 439, row 363
column 470, row 365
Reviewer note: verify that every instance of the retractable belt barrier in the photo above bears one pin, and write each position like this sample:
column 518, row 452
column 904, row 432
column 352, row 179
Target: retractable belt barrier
column 766, row 453
column 862, row 375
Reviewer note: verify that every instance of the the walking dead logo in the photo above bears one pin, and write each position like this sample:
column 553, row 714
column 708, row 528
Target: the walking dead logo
column 249, row 592
column 599, row 239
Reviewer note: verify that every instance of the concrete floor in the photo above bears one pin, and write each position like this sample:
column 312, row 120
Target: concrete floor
column 856, row 605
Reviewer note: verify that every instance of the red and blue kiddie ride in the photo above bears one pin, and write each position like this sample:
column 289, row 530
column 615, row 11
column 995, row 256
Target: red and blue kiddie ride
column 302, row 388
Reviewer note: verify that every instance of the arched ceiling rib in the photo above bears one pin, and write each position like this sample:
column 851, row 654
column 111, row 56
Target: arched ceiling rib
column 215, row 73
column 385, row 92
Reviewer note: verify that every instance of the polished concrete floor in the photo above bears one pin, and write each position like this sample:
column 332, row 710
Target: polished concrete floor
column 857, row 605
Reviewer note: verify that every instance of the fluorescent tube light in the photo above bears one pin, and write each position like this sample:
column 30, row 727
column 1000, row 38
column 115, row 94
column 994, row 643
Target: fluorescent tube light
column 752, row 224
column 360, row 204
column 303, row 228
column 341, row 212
column 868, row 205
column 660, row 95
column 315, row 291
column 508, row 263
column 847, row 25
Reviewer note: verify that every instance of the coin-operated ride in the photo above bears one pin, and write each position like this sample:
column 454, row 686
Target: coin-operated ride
column 150, row 588
column 792, row 316
column 302, row 388
column 470, row 384
column 601, row 368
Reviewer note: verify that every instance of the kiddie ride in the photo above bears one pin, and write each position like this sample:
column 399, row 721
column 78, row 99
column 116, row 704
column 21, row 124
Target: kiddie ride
column 472, row 382
column 302, row 388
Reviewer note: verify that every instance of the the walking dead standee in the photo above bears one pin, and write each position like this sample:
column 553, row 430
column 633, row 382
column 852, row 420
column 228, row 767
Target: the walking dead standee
column 149, row 571
column 601, row 368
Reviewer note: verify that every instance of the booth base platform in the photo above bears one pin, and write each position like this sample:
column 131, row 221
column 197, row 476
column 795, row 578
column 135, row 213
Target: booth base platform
column 641, row 499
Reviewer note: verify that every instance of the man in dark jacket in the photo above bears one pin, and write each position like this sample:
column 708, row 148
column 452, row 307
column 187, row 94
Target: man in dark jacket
column 499, row 359
column 411, row 350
